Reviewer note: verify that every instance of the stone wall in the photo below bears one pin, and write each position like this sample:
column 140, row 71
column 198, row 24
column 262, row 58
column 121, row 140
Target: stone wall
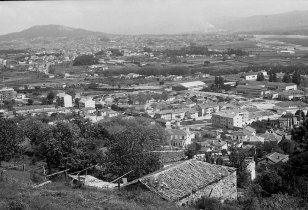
column 225, row 189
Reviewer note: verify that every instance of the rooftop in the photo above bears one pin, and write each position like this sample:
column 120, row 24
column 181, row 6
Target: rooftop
column 178, row 181
column 192, row 84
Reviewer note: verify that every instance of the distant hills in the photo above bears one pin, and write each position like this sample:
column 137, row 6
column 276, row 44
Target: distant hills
column 285, row 23
column 51, row 31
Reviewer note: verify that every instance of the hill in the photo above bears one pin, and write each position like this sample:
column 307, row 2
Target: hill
column 50, row 31
column 284, row 23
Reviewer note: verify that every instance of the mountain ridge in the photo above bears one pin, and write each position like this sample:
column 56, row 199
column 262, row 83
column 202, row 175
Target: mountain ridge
column 295, row 20
column 50, row 30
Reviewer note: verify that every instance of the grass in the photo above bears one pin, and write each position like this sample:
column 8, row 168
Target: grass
column 59, row 195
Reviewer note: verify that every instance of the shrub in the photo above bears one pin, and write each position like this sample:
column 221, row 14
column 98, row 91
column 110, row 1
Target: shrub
column 36, row 178
column 17, row 205
column 207, row 203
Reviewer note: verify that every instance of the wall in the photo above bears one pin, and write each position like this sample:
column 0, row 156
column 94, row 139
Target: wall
column 223, row 190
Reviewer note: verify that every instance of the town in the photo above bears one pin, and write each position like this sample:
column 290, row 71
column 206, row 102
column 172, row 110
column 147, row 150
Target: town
column 194, row 119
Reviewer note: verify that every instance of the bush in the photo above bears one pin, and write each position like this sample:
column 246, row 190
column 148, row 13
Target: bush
column 36, row 178
column 17, row 205
column 207, row 203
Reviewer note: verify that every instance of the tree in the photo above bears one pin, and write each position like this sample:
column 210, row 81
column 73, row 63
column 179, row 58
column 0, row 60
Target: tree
column 286, row 78
column 270, row 181
column 30, row 101
column 237, row 160
column 83, row 60
column 296, row 78
column 287, row 146
column 192, row 150
column 272, row 77
column 9, row 139
column 50, row 97
column 129, row 150
column 9, row 104
column 206, row 63
column 260, row 77
column 219, row 161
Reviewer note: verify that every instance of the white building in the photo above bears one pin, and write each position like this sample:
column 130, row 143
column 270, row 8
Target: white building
column 230, row 118
column 86, row 103
column 64, row 100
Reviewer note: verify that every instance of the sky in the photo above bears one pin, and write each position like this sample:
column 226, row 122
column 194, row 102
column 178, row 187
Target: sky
column 135, row 16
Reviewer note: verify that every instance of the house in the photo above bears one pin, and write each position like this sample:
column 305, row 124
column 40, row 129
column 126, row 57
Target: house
column 86, row 103
column 253, row 140
column 179, row 138
column 238, row 136
column 249, row 131
column 281, row 86
column 251, row 76
column 273, row 158
column 171, row 114
column 271, row 137
column 206, row 110
column 107, row 113
column 64, row 100
column 186, row 182
column 7, row 94
column 287, row 122
column 196, row 85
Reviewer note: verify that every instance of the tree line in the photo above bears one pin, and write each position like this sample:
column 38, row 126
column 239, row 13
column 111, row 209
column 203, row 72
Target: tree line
column 118, row 145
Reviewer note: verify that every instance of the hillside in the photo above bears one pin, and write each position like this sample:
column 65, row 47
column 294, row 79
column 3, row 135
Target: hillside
column 58, row 196
column 50, row 31
column 290, row 22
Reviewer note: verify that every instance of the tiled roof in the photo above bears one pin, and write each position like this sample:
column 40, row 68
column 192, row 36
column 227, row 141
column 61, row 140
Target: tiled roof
column 176, row 132
column 276, row 157
column 178, row 181
column 239, row 133
column 255, row 139
column 291, row 104
column 271, row 137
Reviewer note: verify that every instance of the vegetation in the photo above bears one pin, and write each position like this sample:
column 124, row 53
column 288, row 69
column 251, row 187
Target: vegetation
column 83, row 60
column 9, row 139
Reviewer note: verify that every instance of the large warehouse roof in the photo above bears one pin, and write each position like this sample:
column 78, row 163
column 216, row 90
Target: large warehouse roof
column 192, row 84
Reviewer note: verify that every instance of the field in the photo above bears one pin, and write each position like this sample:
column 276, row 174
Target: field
column 297, row 41
column 245, row 44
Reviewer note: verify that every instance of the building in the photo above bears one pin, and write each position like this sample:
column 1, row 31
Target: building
column 230, row 118
column 171, row 114
column 251, row 76
column 271, row 137
column 290, row 106
column 257, row 91
column 291, row 94
column 206, row 110
column 86, row 103
column 253, row 140
column 7, row 94
column 179, row 138
column 185, row 183
column 281, row 86
column 64, row 100
column 273, row 158
column 196, row 85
